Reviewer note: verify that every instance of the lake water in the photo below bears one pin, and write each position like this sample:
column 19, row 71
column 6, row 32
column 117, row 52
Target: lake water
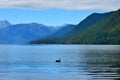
column 78, row 62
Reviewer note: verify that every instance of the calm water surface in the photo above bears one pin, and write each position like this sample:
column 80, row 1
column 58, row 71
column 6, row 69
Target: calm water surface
column 79, row 62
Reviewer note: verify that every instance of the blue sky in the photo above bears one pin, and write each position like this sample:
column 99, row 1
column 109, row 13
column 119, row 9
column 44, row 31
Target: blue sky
column 50, row 17
column 53, row 12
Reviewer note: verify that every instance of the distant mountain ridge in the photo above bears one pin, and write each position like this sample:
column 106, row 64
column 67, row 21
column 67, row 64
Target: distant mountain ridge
column 4, row 24
column 24, row 33
column 63, row 30
column 95, row 29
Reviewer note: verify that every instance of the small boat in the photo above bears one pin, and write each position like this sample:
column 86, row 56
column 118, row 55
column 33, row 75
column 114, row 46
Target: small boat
column 59, row 60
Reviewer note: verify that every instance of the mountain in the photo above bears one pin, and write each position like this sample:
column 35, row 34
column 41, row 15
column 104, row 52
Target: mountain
column 4, row 24
column 62, row 30
column 23, row 33
column 95, row 29
column 88, row 22
column 106, row 31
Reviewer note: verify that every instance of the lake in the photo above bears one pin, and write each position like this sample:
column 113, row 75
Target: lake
column 78, row 62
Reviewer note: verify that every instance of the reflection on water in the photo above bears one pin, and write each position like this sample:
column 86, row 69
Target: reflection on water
column 79, row 62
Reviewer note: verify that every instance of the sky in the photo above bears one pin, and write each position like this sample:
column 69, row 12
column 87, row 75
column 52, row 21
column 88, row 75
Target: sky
column 53, row 12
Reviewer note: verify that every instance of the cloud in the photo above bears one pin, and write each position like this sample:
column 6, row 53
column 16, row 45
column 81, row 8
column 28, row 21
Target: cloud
column 62, row 4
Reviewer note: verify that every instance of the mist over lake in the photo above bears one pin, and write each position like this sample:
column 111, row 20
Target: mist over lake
column 78, row 62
